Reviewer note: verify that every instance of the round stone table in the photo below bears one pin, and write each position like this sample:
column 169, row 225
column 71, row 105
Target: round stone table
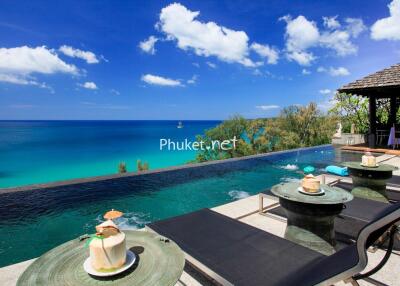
column 158, row 262
column 370, row 182
column 310, row 218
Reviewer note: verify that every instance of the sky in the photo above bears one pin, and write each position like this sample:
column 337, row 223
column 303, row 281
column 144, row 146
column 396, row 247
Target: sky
column 199, row 60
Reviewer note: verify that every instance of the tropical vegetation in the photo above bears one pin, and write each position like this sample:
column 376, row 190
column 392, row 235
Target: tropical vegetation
column 296, row 126
column 142, row 166
column 122, row 168
column 353, row 109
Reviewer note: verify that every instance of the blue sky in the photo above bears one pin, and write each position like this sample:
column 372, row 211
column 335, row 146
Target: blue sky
column 188, row 59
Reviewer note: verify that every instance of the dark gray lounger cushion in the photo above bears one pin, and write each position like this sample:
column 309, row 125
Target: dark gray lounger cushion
column 357, row 214
column 238, row 252
column 393, row 196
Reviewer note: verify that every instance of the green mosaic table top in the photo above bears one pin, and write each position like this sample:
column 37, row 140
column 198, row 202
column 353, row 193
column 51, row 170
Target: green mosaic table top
column 158, row 263
column 331, row 195
column 379, row 168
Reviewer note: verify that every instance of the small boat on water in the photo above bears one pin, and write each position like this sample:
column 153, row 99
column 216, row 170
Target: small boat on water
column 180, row 125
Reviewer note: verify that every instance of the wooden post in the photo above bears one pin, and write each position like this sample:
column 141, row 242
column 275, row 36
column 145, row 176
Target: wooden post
column 393, row 110
column 372, row 121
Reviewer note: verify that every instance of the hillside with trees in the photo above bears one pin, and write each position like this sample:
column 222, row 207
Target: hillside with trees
column 296, row 126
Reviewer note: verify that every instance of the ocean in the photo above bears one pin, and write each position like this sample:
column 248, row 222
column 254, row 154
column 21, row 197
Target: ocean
column 47, row 151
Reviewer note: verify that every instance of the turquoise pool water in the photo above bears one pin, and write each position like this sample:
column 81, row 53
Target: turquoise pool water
column 36, row 221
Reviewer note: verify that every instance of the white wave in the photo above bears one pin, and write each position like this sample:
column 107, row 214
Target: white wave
column 129, row 221
column 290, row 180
column 291, row 167
column 237, row 195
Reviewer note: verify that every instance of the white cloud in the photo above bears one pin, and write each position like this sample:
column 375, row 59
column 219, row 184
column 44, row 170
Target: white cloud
column 325, row 91
column 25, row 60
column 147, row 46
column 87, row 56
column 104, row 58
column 17, row 65
column 204, row 38
column 388, row 28
column 266, row 51
column 193, row 80
column 250, row 64
column 355, row 26
column 302, row 58
column 300, row 32
column 158, row 80
column 257, row 72
column 267, row 107
column 89, row 85
column 339, row 41
column 339, row 71
column 23, row 80
column 331, row 22
column 211, row 65
column 115, row 92
column 95, row 105
column 305, row 72
column 15, row 79
column 302, row 35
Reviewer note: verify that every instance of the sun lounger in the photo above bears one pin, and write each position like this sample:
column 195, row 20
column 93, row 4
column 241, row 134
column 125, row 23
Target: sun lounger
column 234, row 253
column 393, row 196
column 357, row 214
column 394, row 181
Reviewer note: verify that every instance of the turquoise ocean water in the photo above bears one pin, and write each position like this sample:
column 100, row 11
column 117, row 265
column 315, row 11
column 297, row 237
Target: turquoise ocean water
column 47, row 151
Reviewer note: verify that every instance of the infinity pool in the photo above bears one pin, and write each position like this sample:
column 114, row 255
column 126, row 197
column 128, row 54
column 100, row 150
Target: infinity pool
column 34, row 221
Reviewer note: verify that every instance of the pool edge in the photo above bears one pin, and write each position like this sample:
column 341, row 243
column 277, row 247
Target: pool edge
column 32, row 187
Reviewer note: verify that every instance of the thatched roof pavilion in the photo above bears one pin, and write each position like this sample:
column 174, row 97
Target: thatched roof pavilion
column 382, row 84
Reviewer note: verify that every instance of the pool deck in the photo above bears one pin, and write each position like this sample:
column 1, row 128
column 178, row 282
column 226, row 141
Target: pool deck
column 246, row 211
column 374, row 150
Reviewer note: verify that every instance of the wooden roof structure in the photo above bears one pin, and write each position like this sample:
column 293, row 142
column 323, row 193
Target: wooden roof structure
column 381, row 84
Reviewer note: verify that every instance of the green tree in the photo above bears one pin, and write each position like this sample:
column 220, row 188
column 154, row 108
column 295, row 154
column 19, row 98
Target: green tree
column 296, row 126
column 300, row 126
column 229, row 129
column 142, row 166
column 354, row 109
column 351, row 109
column 122, row 168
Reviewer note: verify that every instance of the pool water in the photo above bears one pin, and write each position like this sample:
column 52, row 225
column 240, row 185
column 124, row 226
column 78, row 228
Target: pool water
column 37, row 220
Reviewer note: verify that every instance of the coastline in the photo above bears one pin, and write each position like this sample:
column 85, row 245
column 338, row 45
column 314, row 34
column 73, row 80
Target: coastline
column 42, row 151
